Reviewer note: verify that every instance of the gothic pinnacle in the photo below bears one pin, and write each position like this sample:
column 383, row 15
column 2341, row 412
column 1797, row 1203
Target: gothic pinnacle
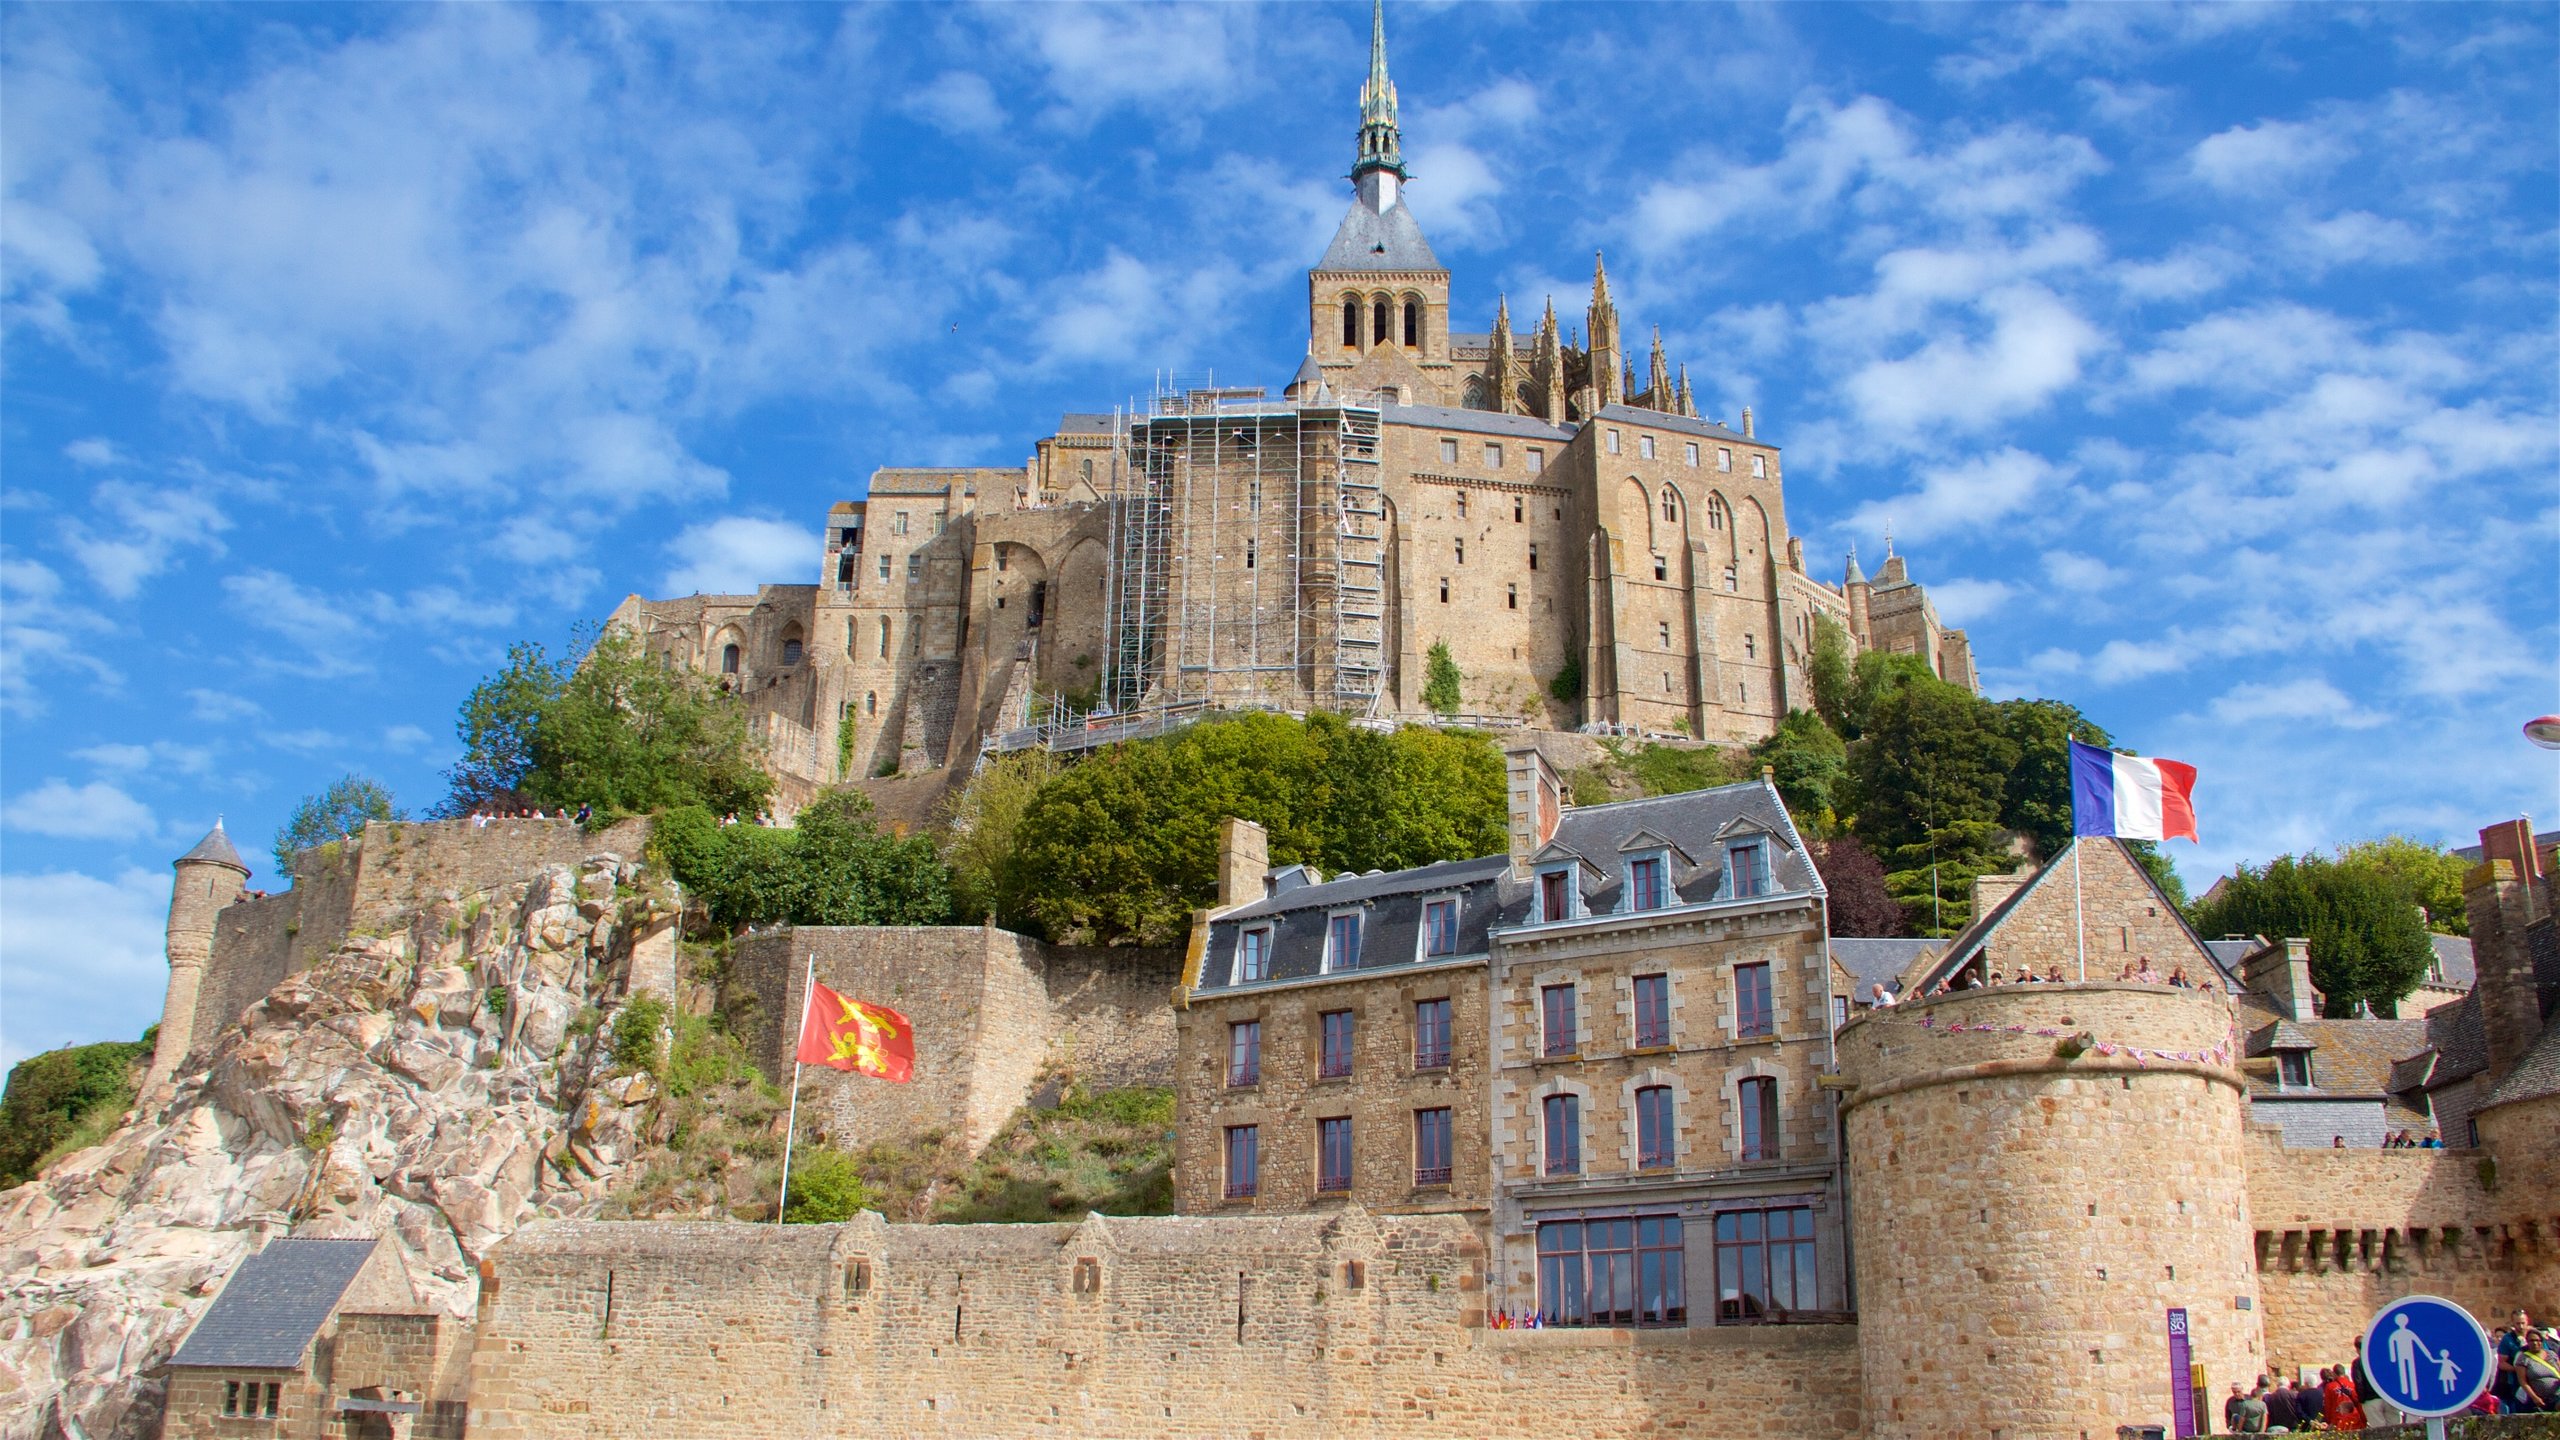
column 1381, row 144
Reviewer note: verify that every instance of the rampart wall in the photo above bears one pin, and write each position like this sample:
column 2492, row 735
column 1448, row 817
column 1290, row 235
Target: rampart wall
column 1316, row 1326
column 368, row 880
column 992, row 1011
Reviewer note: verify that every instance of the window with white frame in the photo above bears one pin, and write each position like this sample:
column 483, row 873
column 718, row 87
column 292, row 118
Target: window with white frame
column 1440, row 927
column 1253, row 954
column 1342, row 942
column 1612, row 437
column 1492, row 455
column 1692, row 455
column 1537, row 463
column 1724, row 458
column 1644, row 446
column 1760, row 466
column 1448, row 452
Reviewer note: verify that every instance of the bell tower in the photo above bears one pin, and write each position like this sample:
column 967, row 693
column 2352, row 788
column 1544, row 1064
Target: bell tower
column 1378, row 302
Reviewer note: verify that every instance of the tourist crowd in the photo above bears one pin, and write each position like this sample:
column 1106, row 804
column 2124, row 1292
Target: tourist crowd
column 2339, row 1398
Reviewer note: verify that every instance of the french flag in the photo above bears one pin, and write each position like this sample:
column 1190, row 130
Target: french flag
column 2130, row 797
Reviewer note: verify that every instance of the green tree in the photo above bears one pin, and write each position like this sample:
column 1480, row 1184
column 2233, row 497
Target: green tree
column 834, row 867
column 2037, row 800
column 1810, row 766
column 1440, row 679
column 1878, row 676
column 2431, row 876
column 1926, row 782
column 982, row 828
column 1827, row 667
column 2368, row 938
column 497, row 726
column 630, row 733
column 63, row 1099
column 333, row 814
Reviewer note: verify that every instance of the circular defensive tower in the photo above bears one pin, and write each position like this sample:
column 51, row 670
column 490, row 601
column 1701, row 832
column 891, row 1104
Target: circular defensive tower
column 2037, row 1175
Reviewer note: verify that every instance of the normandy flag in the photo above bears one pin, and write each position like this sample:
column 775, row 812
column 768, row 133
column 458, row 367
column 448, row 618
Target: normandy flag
column 2130, row 796
column 857, row 1036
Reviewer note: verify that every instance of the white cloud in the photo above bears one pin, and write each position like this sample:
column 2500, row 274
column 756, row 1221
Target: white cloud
column 960, row 101
column 2080, row 574
column 2035, row 347
column 166, row 755
column 2267, row 157
column 142, row 531
column 406, row 739
column 1962, row 602
column 81, row 958
column 1967, row 497
column 331, row 634
column 310, row 740
column 95, row 452
column 736, row 553
column 41, row 631
column 220, row 706
column 2298, row 702
column 95, row 811
column 1086, row 52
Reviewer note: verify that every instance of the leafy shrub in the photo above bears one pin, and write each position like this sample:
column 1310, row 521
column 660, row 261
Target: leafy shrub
column 835, row 867
column 63, row 1100
column 331, row 816
column 826, row 1187
column 635, row 1033
column 1440, row 679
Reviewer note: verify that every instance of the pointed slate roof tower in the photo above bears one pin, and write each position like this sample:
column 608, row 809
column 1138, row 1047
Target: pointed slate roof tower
column 1378, row 302
column 215, row 847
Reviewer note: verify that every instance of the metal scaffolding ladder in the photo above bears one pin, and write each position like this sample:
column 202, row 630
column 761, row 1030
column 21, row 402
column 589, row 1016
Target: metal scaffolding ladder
column 1359, row 595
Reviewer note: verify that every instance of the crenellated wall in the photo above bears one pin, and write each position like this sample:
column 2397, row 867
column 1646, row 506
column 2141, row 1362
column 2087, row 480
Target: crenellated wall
column 1317, row 1326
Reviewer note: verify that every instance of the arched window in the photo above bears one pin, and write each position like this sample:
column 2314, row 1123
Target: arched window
column 1715, row 512
column 728, row 659
column 871, row 703
column 1088, row 472
column 1413, row 323
column 1382, row 325
column 791, row 651
column 1670, row 504
column 884, row 639
column 1350, row 324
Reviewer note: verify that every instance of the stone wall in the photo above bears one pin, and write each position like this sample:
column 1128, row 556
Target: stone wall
column 2023, row 1222
column 1313, row 1326
column 992, row 1011
column 2126, row 921
column 252, row 954
column 420, row 1358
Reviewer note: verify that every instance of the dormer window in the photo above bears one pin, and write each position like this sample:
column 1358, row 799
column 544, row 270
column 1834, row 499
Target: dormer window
column 1253, row 954
column 1342, row 942
column 1645, row 883
column 2293, row 1069
column 1746, row 868
column 1555, row 895
column 1440, row 928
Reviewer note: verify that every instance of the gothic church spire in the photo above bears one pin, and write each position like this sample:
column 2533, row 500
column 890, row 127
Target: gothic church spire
column 1381, row 144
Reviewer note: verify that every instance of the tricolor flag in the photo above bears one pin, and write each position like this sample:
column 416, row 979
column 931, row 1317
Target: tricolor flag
column 853, row 1035
column 2130, row 797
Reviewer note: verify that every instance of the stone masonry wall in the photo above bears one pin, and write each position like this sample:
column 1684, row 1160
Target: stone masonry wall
column 1303, row 1326
column 2125, row 922
column 2023, row 1222
column 991, row 1010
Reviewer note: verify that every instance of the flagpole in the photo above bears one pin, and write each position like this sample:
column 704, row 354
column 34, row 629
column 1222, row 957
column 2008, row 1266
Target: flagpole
column 791, row 1127
column 2079, row 922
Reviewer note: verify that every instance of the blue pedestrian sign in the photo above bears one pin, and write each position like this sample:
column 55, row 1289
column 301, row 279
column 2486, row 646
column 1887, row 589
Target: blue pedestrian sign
column 2427, row 1356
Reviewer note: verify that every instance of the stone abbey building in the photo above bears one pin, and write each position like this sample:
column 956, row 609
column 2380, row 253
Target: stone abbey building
column 1590, row 548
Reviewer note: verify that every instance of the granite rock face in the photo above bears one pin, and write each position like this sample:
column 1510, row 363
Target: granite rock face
column 440, row 1084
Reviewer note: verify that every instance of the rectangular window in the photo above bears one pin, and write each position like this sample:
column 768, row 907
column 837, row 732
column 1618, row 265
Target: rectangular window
column 1440, row 928
column 1511, row 597
column 1653, row 1011
column 1623, row 1270
column 275, row 1398
column 1613, row 441
column 1333, row 1058
column 1751, row 1010
column 1559, row 1019
column 1253, row 955
column 1244, row 1161
column 230, row 1397
column 1724, row 458
column 1431, row 1147
column 2296, row 1068
column 1693, row 455
column 1760, row 466
column 1749, row 862
column 1448, row 452
column 1462, row 552
column 1431, row 1034
column 1759, row 1099
column 1563, row 1134
column 1462, row 500
column 1492, row 455
column 884, row 569
column 898, row 523
column 1764, row 1264
column 915, row 568
column 1342, row 943
column 1839, row 1012
column 1644, row 883
column 1244, row 1052
column 1533, row 554
column 1555, row 895
column 1644, row 446
column 1657, row 1143
column 1333, row 1154
column 1537, row 463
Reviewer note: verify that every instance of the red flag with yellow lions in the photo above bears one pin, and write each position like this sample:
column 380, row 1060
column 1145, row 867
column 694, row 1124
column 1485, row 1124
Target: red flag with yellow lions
column 855, row 1035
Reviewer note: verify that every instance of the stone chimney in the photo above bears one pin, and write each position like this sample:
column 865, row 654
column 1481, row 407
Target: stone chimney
column 1244, row 863
column 1990, row 890
column 1537, row 804
column 2280, row 972
column 1746, row 423
column 2504, row 895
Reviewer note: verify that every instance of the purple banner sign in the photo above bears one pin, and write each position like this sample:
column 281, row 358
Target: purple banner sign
column 2182, row 1385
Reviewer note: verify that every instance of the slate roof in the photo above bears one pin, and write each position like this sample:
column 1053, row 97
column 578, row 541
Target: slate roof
column 1085, row 424
column 1873, row 959
column 1481, row 422
column 1665, row 420
column 1698, row 824
column 2282, row 1035
column 2453, row 960
column 1368, row 240
column 2461, row 1045
column 276, row 1301
column 2536, row 1075
column 216, row 847
column 2350, row 1059
column 2229, row 953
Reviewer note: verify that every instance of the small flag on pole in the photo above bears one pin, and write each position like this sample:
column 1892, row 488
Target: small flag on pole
column 2129, row 796
column 854, row 1035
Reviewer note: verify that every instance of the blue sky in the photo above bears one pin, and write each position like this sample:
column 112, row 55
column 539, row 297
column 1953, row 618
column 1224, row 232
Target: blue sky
column 2201, row 358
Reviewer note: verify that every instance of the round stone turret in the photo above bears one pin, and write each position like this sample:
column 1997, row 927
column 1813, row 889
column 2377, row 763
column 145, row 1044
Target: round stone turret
column 209, row 877
column 2026, row 1211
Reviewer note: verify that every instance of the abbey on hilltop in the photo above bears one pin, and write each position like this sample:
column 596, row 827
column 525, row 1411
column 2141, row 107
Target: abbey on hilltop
column 1591, row 550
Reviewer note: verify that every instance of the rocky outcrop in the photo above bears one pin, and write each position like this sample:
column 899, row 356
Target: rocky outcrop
column 440, row 1084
